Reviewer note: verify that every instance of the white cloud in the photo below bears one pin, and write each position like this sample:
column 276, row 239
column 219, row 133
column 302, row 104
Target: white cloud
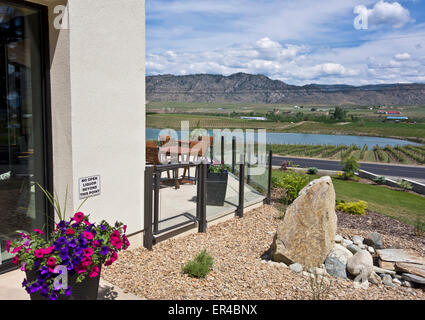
column 402, row 56
column 385, row 13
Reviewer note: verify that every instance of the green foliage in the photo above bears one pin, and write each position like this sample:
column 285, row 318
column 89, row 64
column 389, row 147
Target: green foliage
column 406, row 185
column 312, row 170
column 339, row 113
column 356, row 208
column 292, row 183
column 349, row 166
column 419, row 227
column 200, row 266
column 379, row 180
column 217, row 168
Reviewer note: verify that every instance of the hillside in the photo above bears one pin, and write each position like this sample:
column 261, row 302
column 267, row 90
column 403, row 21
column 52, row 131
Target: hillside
column 247, row 88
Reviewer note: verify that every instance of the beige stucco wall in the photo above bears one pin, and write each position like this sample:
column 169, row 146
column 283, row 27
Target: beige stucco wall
column 98, row 105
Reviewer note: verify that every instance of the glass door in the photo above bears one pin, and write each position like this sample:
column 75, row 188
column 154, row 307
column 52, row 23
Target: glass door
column 22, row 135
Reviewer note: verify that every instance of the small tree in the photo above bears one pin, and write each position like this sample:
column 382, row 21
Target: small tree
column 339, row 113
column 349, row 166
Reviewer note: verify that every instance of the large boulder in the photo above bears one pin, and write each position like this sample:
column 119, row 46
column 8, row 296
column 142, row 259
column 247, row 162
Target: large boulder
column 360, row 263
column 307, row 232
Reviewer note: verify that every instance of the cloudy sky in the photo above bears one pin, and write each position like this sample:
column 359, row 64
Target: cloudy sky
column 296, row 41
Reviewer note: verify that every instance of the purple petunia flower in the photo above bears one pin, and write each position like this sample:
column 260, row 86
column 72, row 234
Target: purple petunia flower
column 61, row 241
column 102, row 227
column 72, row 243
column 104, row 250
column 34, row 287
column 54, row 296
column 36, row 263
column 63, row 253
column 44, row 270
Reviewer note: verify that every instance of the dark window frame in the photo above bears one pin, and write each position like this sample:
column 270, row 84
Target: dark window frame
column 45, row 109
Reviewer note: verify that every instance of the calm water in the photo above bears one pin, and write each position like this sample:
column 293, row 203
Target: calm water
column 308, row 138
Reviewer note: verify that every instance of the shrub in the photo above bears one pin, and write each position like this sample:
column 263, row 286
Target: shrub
column 349, row 166
column 312, row 170
column 292, row 183
column 379, row 180
column 356, row 208
column 406, row 185
column 200, row 266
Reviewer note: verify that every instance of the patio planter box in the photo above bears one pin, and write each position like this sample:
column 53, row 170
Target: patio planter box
column 86, row 290
column 216, row 188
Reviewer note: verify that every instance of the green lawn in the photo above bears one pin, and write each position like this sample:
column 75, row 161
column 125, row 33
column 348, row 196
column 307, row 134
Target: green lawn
column 403, row 206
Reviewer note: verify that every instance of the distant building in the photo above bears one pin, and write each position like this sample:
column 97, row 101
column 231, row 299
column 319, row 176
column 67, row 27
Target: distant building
column 396, row 119
column 254, row 118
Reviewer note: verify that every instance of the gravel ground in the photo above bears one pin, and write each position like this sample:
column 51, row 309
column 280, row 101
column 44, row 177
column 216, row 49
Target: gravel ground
column 239, row 272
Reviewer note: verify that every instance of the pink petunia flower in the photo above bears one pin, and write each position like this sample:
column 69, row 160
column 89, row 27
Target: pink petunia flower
column 15, row 260
column 124, row 228
column 88, row 252
column 16, row 249
column 70, row 232
column 78, row 217
column 87, row 261
column 88, row 235
column 8, row 245
column 51, row 262
column 94, row 272
column 39, row 253
column 49, row 250
column 80, row 269
column 39, row 231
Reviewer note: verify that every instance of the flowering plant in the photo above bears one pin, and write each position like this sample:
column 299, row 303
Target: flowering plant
column 79, row 245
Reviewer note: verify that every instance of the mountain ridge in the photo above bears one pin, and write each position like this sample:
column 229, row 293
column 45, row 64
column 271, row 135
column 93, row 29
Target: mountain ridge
column 249, row 88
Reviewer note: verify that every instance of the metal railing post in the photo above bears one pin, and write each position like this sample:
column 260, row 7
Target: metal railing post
column 148, row 236
column 239, row 211
column 233, row 154
column 156, row 202
column 201, row 201
column 222, row 150
column 269, row 182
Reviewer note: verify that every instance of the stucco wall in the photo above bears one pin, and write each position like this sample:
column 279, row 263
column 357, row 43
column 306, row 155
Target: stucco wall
column 98, row 105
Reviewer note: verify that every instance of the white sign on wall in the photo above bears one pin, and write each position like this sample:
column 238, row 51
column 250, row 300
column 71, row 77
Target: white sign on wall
column 89, row 186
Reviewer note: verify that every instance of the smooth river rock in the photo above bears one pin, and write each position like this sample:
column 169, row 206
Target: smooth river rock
column 361, row 261
column 307, row 232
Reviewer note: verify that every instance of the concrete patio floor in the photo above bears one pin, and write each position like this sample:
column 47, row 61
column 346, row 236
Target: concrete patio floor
column 11, row 289
column 178, row 206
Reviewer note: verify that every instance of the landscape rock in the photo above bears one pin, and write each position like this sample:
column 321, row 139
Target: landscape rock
column 386, row 265
column 357, row 240
column 296, row 267
column 371, row 250
column 383, row 271
column 346, row 242
column 400, row 255
column 375, row 279
column 353, row 248
column 406, row 284
column 388, row 280
column 396, row 282
column 296, row 240
column 361, row 262
column 412, row 268
column 335, row 267
column 341, row 253
column 374, row 240
column 413, row 278
column 338, row 238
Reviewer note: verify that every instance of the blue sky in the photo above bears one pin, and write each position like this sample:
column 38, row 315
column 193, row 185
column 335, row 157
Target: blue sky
column 296, row 41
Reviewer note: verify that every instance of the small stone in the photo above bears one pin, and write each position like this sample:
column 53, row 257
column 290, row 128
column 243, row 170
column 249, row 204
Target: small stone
column 353, row 248
column 357, row 240
column 383, row 271
column 296, row 267
column 263, row 261
column 335, row 267
column 360, row 263
column 388, row 280
column 375, row 279
column 406, row 284
column 362, row 246
column 320, row 271
column 361, row 285
column 371, row 250
column 338, row 238
column 396, row 281
column 346, row 242
column 374, row 240
column 413, row 278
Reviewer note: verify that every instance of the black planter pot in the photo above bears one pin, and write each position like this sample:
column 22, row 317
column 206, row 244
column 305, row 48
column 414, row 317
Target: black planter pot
column 216, row 188
column 85, row 290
